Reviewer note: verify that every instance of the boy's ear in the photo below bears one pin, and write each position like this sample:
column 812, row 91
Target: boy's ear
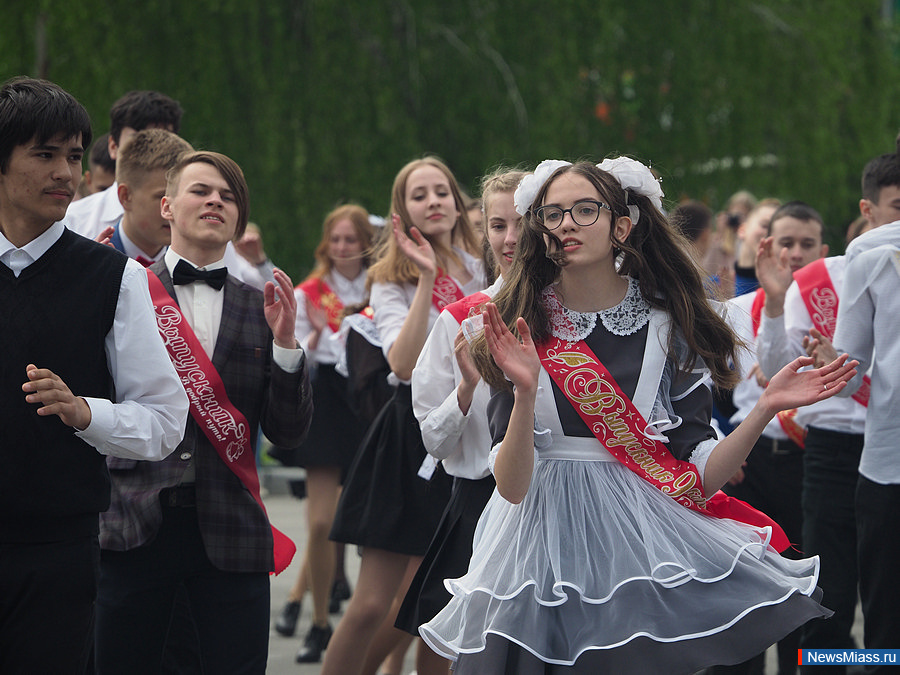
column 165, row 208
column 124, row 196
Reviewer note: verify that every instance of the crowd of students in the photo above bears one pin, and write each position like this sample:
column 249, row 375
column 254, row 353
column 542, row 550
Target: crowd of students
column 556, row 444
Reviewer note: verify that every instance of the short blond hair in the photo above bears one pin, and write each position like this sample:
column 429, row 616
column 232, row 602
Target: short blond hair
column 149, row 150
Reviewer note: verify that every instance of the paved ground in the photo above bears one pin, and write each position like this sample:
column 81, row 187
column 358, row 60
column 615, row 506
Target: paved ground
column 289, row 515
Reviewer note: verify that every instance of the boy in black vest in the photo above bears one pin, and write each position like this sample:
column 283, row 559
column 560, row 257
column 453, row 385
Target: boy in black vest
column 83, row 375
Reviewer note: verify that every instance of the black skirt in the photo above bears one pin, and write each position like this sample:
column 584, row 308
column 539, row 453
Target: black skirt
column 385, row 504
column 448, row 554
column 335, row 431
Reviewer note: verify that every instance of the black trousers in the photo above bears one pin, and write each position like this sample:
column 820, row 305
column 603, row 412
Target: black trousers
column 878, row 549
column 47, row 594
column 138, row 590
column 830, row 475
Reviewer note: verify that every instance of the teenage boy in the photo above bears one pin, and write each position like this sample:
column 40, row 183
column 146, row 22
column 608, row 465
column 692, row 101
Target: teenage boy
column 78, row 324
column 142, row 233
column 133, row 112
column 94, row 216
column 880, row 204
column 772, row 477
column 196, row 520
column 795, row 305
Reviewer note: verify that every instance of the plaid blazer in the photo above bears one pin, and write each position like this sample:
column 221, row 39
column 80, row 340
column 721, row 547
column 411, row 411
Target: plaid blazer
column 235, row 530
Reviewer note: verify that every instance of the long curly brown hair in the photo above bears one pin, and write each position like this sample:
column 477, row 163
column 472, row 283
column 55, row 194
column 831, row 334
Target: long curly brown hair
column 654, row 254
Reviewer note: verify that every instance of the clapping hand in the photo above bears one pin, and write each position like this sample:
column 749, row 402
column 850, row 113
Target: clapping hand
column 419, row 251
column 517, row 358
column 280, row 308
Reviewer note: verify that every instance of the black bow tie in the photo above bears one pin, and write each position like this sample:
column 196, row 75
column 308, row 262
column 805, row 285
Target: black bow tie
column 185, row 273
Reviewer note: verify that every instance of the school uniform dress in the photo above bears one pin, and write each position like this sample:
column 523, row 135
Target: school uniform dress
column 336, row 430
column 462, row 443
column 395, row 492
column 598, row 571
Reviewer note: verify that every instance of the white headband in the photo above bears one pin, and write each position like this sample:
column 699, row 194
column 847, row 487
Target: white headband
column 631, row 174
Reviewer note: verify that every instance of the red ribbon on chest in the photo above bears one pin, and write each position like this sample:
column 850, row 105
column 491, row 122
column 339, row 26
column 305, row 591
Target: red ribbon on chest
column 224, row 425
column 619, row 426
column 821, row 300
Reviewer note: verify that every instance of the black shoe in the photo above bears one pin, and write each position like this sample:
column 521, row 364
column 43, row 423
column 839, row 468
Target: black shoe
column 340, row 590
column 315, row 643
column 286, row 623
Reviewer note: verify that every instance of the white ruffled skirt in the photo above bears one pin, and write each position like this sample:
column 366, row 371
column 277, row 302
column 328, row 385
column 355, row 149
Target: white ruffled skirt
column 597, row 562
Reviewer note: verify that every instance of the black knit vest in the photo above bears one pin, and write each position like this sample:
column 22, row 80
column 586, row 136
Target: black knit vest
column 55, row 315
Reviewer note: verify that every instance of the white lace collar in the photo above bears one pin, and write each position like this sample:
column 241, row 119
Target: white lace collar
column 628, row 317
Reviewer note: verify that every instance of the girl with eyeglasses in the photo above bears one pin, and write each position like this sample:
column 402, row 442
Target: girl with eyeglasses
column 606, row 547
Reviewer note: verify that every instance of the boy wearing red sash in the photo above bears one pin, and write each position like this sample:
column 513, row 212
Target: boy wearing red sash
column 772, row 478
column 77, row 326
column 197, row 521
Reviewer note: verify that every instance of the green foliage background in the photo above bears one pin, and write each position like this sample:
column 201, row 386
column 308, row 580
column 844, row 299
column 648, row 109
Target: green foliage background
column 322, row 102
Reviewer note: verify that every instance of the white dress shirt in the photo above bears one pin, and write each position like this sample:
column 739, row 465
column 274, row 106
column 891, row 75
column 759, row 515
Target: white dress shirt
column 747, row 392
column 132, row 250
column 461, row 441
column 201, row 305
column 329, row 348
column 780, row 341
column 147, row 419
column 867, row 328
column 884, row 234
column 391, row 303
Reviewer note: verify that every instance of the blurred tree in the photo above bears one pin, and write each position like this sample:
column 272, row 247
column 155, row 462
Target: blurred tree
column 322, row 102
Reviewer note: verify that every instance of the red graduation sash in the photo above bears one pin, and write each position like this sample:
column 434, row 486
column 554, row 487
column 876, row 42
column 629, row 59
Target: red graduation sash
column 445, row 291
column 619, row 426
column 786, row 417
column 821, row 300
column 468, row 306
column 322, row 297
column 224, row 425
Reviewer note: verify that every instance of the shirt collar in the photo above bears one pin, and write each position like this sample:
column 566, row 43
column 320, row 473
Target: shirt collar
column 171, row 258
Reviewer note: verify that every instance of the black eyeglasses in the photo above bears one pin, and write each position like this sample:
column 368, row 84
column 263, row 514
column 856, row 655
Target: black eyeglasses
column 584, row 213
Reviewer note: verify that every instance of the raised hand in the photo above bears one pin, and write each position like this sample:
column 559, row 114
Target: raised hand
column 517, row 358
column 792, row 388
column 55, row 398
column 417, row 249
column 280, row 308
column 773, row 271
column 105, row 237
column 318, row 317
column 467, row 369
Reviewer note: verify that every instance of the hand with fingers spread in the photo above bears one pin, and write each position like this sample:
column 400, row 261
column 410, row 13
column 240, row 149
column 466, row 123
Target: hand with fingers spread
column 280, row 308
column 417, row 248
column 792, row 387
column 55, row 398
column 517, row 358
